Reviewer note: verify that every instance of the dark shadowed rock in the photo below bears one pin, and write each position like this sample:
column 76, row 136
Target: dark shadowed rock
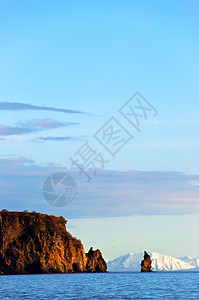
column 146, row 263
column 33, row 243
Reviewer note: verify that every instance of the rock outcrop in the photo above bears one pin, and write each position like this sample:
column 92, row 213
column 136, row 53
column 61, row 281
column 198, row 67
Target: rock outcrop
column 146, row 263
column 33, row 243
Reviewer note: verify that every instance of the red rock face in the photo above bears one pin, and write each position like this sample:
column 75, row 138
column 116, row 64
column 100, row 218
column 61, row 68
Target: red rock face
column 37, row 243
column 95, row 262
column 146, row 263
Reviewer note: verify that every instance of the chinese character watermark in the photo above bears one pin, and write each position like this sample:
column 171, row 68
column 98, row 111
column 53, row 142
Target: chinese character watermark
column 88, row 158
column 112, row 136
column 137, row 109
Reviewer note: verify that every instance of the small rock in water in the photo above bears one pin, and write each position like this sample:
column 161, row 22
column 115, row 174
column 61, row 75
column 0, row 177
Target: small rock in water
column 146, row 263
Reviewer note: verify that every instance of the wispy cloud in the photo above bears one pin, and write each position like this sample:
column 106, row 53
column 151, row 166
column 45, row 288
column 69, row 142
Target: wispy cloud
column 14, row 106
column 33, row 126
column 45, row 124
column 12, row 161
column 57, row 139
column 110, row 194
column 12, row 130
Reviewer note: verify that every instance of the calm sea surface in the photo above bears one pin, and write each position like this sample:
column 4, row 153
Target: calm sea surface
column 160, row 285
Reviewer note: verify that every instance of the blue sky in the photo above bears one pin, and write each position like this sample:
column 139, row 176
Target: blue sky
column 67, row 68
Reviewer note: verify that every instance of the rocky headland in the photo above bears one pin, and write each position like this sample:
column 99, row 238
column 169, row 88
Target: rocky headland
column 35, row 243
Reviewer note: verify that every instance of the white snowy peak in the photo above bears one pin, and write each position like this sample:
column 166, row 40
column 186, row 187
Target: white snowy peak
column 191, row 261
column 160, row 262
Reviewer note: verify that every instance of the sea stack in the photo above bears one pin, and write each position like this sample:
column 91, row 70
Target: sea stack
column 146, row 263
column 35, row 243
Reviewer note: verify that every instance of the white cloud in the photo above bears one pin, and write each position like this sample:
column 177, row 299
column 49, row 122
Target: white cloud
column 110, row 193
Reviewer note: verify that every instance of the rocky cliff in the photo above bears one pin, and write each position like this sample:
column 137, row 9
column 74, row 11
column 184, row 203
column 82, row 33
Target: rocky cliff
column 146, row 263
column 38, row 243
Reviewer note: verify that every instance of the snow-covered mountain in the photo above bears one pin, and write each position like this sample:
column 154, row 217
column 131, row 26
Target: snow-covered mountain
column 160, row 262
column 168, row 263
column 191, row 261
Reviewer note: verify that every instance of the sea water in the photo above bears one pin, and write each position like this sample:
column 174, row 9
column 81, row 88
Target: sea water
column 156, row 285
